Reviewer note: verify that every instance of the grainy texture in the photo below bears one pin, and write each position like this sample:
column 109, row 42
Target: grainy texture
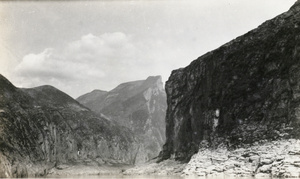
column 245, row 91
column 138, row 105
column 42, row 127
column 276, row 159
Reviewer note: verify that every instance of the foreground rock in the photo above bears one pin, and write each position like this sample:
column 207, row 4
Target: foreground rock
column 137, row 105
column 245, row 91
column 277, row 159
column 164, row 168
column 264, row 159
column 42, row 128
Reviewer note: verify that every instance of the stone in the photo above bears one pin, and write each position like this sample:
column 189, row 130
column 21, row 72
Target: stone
column 275, row 162
column 265, row 169
column 254, row 158
column 43, row 127
column 266, row 161
column 253, row 83
column 295, row 152
column 138, row 105
column 262, row 175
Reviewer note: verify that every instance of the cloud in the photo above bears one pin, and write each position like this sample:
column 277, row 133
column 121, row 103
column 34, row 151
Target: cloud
column 91, row 62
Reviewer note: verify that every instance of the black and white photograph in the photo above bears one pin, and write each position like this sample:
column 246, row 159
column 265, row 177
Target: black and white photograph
column 150, row 89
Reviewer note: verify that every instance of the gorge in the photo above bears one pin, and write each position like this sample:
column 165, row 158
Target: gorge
column 235, row 111
column 43, row 127
column 137, row 105
column 245, row 91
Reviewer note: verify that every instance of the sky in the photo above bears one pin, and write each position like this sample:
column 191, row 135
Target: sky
column 79, row 46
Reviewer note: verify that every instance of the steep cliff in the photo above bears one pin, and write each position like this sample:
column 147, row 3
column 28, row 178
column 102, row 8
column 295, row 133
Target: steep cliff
column 43, row 127
column 139, row 106
column 245, row 91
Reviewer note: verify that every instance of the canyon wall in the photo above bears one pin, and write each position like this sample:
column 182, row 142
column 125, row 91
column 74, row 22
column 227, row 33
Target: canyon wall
column 247, row 90
column 139, row 106
column 42, row 127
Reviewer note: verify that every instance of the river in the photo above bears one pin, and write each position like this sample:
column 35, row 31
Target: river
column 144, row 177
column 120, row 176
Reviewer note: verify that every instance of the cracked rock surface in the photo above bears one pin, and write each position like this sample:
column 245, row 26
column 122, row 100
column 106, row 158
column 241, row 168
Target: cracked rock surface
column 263, row 159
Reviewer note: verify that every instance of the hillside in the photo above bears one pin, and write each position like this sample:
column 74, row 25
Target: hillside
column 137, row 105
column 42, row 128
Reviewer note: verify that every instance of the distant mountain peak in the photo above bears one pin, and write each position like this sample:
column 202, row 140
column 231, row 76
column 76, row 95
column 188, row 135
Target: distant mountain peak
column 158, row 77
column 156, row 81
column 137, row 105
column 99, row 91
column 48, row 94
column 127, row 90
column 45, row 88
column 95, row 94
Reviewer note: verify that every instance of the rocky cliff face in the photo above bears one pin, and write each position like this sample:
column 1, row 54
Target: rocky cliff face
column 245, row 91
column 42, row 128
column 139, row 106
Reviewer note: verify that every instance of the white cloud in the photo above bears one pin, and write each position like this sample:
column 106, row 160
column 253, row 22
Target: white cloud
column 91, row 62
column 160, row 37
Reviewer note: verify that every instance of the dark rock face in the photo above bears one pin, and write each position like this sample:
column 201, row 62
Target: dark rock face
column 139, row 106
column 43, row 127
column 245, row 91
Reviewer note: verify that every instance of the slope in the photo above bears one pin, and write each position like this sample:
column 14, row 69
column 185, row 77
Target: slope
column 43, row 127
column 139, row 106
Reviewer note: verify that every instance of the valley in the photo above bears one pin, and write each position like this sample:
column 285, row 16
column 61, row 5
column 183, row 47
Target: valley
column 232, row 112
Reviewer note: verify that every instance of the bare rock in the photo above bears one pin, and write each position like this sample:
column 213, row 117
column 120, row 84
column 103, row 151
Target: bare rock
column 137, row 105
column 243, row 92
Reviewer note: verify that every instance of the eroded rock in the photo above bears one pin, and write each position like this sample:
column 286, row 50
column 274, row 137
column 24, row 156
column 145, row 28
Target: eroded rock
column 42, row 127
column 262, row 164
column 243, row 92
column 137, row 105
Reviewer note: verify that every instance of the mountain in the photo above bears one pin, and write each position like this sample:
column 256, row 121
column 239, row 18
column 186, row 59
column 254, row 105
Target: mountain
column 93, row 98
column 139, row 106
column 243, row 92
column 42, row 128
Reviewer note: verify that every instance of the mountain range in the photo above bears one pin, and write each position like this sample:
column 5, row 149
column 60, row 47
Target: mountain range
column 42, row 127
column 137, row 105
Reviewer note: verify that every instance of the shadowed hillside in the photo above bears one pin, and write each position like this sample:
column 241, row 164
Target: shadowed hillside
column 42, row 127
column 139, row 106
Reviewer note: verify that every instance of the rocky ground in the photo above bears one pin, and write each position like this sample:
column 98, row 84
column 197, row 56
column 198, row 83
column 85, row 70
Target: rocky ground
column 167, row 167
column 264, row 159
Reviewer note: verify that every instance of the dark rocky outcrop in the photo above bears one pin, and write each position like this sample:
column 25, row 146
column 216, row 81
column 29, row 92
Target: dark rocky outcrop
column 245, row 91
column 43, row 127
column 139, row 106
